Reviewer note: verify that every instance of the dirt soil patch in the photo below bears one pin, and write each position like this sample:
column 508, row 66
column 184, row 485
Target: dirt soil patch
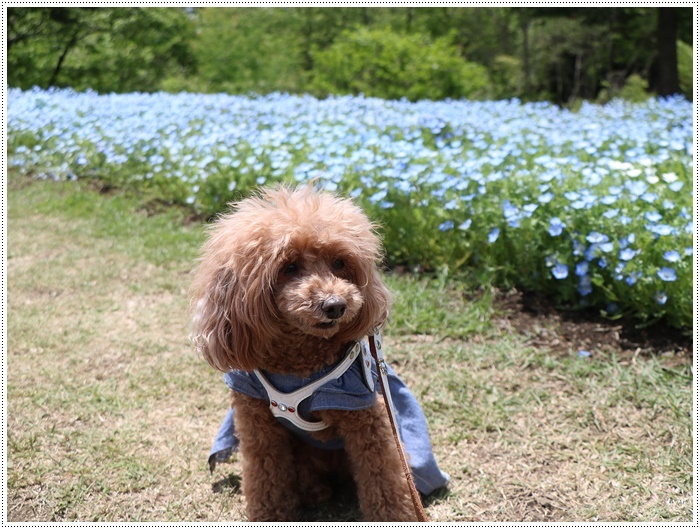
column 566, row 332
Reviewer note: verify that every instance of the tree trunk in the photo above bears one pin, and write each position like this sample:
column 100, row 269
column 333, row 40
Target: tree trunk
column 577, row 78
column 525, row 27
column 59, row 64
column 308, row 61
column 667, row 58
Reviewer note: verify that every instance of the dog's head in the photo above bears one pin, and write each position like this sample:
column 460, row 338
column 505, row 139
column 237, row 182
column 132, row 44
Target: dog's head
column 286, row 265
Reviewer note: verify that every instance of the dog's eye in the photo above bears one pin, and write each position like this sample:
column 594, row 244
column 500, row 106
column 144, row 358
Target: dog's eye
column 291, row 269
column 338, row 264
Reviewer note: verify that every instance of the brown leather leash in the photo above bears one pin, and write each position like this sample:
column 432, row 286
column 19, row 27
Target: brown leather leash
column 376, row 351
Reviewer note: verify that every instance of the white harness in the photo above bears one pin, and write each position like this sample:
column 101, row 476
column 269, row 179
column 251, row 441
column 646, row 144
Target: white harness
column 286, row 405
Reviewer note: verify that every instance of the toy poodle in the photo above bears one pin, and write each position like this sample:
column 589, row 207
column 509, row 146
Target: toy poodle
column 284, row 293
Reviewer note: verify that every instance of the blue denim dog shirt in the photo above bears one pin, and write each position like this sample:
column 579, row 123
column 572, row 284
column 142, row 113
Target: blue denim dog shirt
column 349, row 392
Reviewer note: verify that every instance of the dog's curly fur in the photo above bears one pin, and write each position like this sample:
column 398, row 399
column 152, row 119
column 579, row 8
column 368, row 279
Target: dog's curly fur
column 286, row 282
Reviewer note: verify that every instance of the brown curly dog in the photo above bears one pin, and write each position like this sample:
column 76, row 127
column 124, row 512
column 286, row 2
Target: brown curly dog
column 287, row 283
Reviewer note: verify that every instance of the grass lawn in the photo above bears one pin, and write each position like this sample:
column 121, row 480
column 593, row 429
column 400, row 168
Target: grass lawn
column 110, row 414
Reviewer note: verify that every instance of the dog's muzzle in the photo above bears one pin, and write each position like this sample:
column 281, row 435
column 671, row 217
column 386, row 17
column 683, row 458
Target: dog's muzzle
column 334, row 307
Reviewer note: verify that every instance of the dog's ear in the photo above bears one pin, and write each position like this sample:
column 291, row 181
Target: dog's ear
column 377, row 300
column 376, row 306
column 221, row 328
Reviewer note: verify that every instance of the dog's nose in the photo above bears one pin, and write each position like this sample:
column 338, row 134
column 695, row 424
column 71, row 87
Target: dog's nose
column 334, row 307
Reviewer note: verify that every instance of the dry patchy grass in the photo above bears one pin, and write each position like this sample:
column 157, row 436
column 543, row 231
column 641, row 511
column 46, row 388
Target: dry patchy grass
column 110, row 414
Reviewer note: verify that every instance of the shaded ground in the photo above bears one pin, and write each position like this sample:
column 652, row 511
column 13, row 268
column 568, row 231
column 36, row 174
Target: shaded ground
column 535, row 317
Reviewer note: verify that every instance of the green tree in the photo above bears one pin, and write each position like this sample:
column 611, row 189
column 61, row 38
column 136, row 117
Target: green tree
column 685, row 68
column 106, row 49
column 382, row 63
column 243, row 50
column 622, row 41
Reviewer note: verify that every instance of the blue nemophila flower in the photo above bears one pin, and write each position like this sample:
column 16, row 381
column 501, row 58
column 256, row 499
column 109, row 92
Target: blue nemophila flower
column 672, row 256
column 669, row 177
column 628, row 254
column 632, row 278
column 512, row 214
column 619, row 268
column 378, row 196
column 649, row 197
column 667, row 274
column 509, row 210
column 585, row 285
column 493, row 235
column 545, row 198
column 661, row 297
column 446, row 226
column 465, row 225
column 582, row 268
column 660, row 229
column 636, row 188
column 596, row 238
column 560, row 271
column 556, row 226
column 360, row 144
column 591, row 252
column 688, row 251
column 583, row 353
column 653, row 216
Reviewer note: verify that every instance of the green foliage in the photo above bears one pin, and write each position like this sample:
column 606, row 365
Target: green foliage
column 562, row 54
column 104, row 49
column 386, row 64
column 507, row 76
column 685, row 68
column 634, row 89
column 241, row 50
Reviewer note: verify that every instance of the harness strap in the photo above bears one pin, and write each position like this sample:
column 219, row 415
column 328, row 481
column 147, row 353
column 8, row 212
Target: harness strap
column 286, row 405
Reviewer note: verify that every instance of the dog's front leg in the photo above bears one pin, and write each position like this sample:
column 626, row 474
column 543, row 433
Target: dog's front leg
column 381, row 483
column 269, row 476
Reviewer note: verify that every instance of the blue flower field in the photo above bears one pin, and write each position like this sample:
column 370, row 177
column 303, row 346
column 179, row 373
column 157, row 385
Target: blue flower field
column 593, row 208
